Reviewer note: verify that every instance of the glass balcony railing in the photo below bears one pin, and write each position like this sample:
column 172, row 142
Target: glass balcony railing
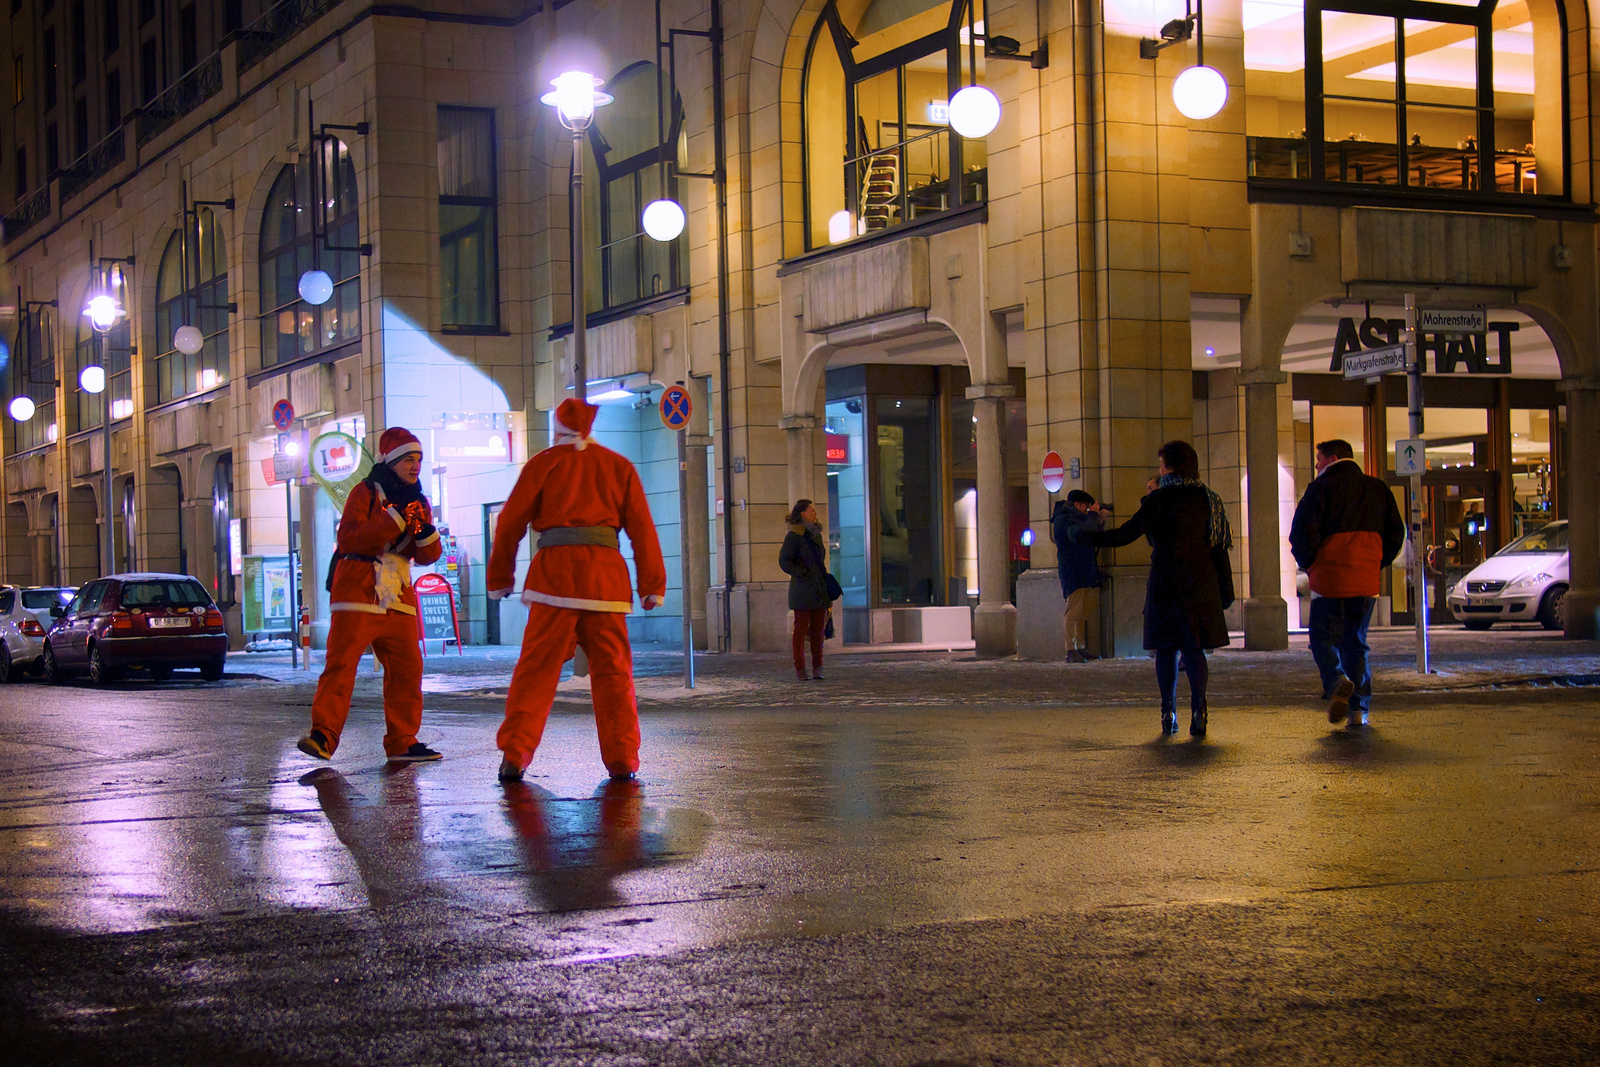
column 1417, row 166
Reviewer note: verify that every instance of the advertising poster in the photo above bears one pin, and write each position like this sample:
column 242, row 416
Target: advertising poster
column 266, row 594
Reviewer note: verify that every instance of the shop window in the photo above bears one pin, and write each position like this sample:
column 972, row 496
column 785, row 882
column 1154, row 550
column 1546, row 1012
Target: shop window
column 879, row 151
column 846, row 446
column 130, row 526
column 291, row 328
column 112, row 350
column 633, row 151
column 192, row 290
column 909, row 501
column 33, row 375
column 1456, row 97
column 222, row 529
column 469, row 273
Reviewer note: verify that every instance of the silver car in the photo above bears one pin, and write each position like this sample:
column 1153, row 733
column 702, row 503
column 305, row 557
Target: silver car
column 24, row 617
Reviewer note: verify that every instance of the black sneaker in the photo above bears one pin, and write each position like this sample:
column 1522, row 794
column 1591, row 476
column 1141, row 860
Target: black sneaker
column 624, row 776
column 417, row 753
column 1339, row 701
column 315, row 745
column 509, row 772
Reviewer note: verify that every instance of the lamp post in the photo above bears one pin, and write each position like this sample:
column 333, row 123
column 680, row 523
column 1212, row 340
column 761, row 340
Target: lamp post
column 575, row 96
column 102, row 310
column 1200, row 91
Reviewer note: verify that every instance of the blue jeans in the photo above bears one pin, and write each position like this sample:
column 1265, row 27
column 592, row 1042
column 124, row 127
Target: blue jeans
column 1339, row 643
column 1193, row 663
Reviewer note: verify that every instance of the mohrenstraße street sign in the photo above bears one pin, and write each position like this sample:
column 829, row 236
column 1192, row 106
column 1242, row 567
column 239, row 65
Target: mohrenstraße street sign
column 1375, row 362
column 1453, row 320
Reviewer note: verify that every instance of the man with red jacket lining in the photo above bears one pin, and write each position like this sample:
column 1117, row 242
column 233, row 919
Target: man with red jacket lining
column 576, row 495
column 1346, row 529
column 386, row 526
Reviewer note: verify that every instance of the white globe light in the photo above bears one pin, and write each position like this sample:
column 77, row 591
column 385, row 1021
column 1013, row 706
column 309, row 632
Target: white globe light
column 102, row 310
column 663, row 220
column 188, row 340
column 838, row 227
column 974, row 111
column 315, row 287
column 1199, row 92
column 22, row 409
column 93, row 379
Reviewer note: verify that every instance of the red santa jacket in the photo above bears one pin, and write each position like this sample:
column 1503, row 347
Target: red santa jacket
column 372, row 528
column 569, row 486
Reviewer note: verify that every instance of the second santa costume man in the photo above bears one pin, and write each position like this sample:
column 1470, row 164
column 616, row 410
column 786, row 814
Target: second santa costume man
column 576, row 495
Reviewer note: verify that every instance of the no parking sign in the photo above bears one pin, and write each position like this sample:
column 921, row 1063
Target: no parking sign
column 675, row 407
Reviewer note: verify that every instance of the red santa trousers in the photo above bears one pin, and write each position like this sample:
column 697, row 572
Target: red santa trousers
column 393, row 637
column 547, row 643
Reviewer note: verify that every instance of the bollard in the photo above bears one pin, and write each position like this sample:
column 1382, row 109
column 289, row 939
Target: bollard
column 305, row 639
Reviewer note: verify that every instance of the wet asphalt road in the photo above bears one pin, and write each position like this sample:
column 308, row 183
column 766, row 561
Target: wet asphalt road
column 897, row 885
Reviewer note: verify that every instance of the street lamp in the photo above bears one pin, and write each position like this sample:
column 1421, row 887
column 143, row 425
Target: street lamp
column 22, row 408
column 1200, row 91
column 316, row 285
column 575, row 96
column 103, row 309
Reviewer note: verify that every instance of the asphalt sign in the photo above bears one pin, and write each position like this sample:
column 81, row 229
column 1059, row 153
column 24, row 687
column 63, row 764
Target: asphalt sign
column 1410, row 456
column 675, row 407
column 282, row 414
column 1052, row 472
column 1375, row 362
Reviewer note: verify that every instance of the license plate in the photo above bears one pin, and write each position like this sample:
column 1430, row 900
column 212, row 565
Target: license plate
column 1480, row 602
column 175, row 622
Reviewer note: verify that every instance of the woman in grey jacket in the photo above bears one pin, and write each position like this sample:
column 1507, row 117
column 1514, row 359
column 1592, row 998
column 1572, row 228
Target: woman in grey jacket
column 804, row 558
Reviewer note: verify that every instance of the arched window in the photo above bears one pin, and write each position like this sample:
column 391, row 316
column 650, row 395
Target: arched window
column 113, row 351
column 879, row 150
column 290, row 327
column 1459, row 97
column 625, row 153
column 192, row 290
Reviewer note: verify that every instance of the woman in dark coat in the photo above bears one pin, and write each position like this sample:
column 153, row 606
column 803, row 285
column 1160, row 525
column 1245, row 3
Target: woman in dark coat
column 1184, row 598
column 804, row 558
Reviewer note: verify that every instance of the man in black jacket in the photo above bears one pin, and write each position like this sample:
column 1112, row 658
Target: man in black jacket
column 1347, row 529
column 1075, row 564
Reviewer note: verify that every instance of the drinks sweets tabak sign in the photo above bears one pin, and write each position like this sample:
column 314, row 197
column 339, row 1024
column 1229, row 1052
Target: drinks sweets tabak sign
column 1449, row 351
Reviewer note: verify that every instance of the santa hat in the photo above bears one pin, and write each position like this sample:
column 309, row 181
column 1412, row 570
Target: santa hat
column 576, row 417
column 397, row 441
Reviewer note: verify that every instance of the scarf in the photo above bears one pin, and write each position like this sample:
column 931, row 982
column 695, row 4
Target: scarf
column 1219, row 534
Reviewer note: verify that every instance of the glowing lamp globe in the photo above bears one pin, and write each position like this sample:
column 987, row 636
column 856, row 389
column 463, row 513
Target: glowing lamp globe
column 93, row 379
column 1199, row 92
column 839, row 227
column 22, row 409
column 102, row 310
column 575, row 96
column 974, row 111
column 315, row 287
column 663, row 220
column 188, row 340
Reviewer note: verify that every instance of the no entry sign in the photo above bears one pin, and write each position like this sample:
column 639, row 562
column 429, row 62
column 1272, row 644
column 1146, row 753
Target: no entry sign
column 1052, row 472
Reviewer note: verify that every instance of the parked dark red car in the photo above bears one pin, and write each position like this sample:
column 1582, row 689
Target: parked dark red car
column 159, row 622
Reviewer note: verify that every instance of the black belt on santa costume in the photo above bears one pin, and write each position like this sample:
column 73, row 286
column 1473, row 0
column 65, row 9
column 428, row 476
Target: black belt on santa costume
column 604, row 536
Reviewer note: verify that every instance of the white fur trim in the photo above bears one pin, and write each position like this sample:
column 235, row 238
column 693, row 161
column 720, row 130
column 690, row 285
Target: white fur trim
column 501, row 594
column 530, row 596
column 400, row 450
column 430, row 539
column 370, row 609
column 396, row 516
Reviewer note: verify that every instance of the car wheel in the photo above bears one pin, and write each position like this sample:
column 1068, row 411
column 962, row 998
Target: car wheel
column 100, row 672
column 7, row 668
column 160, row 674
column 1552, row 610
column 52, row 672
column 1477, row 624
column 212, row 672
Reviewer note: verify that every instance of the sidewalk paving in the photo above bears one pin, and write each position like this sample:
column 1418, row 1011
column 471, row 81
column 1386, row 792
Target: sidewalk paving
column 939, row 676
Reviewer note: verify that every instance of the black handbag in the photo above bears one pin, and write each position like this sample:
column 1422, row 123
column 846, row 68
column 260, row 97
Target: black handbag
column 827, row 627
column 1224, row 567
column 835, row 590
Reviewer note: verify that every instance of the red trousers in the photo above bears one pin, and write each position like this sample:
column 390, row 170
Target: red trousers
column 393, row 637
column 808, row 622
column 548, row 642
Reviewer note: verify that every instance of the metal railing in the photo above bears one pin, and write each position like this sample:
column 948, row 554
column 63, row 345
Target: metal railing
column 93, row 163
column 186, row 94
column 28, row 212
column 276, row 25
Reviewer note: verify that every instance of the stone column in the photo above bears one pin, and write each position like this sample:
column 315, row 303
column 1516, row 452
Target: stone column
column 995, row 628
column 697, row 540
column 1583, row 510
column 1266, row 615
column 801, row 432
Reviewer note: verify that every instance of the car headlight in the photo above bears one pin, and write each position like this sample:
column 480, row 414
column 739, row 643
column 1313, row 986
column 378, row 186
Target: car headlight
column 1528, row 581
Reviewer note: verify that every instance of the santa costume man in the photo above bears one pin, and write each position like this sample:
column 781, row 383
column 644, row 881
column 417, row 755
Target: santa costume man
column 576, row 495
column 387, row 525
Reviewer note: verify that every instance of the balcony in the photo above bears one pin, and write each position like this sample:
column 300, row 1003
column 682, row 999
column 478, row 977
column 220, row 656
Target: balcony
column 1379, row 166
column 92, row 164
column 29, row 211
column 276, row 25
column 188, row 93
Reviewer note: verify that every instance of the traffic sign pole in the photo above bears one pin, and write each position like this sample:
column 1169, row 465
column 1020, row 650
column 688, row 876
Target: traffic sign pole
column 1419, row 577
column 676, row 408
